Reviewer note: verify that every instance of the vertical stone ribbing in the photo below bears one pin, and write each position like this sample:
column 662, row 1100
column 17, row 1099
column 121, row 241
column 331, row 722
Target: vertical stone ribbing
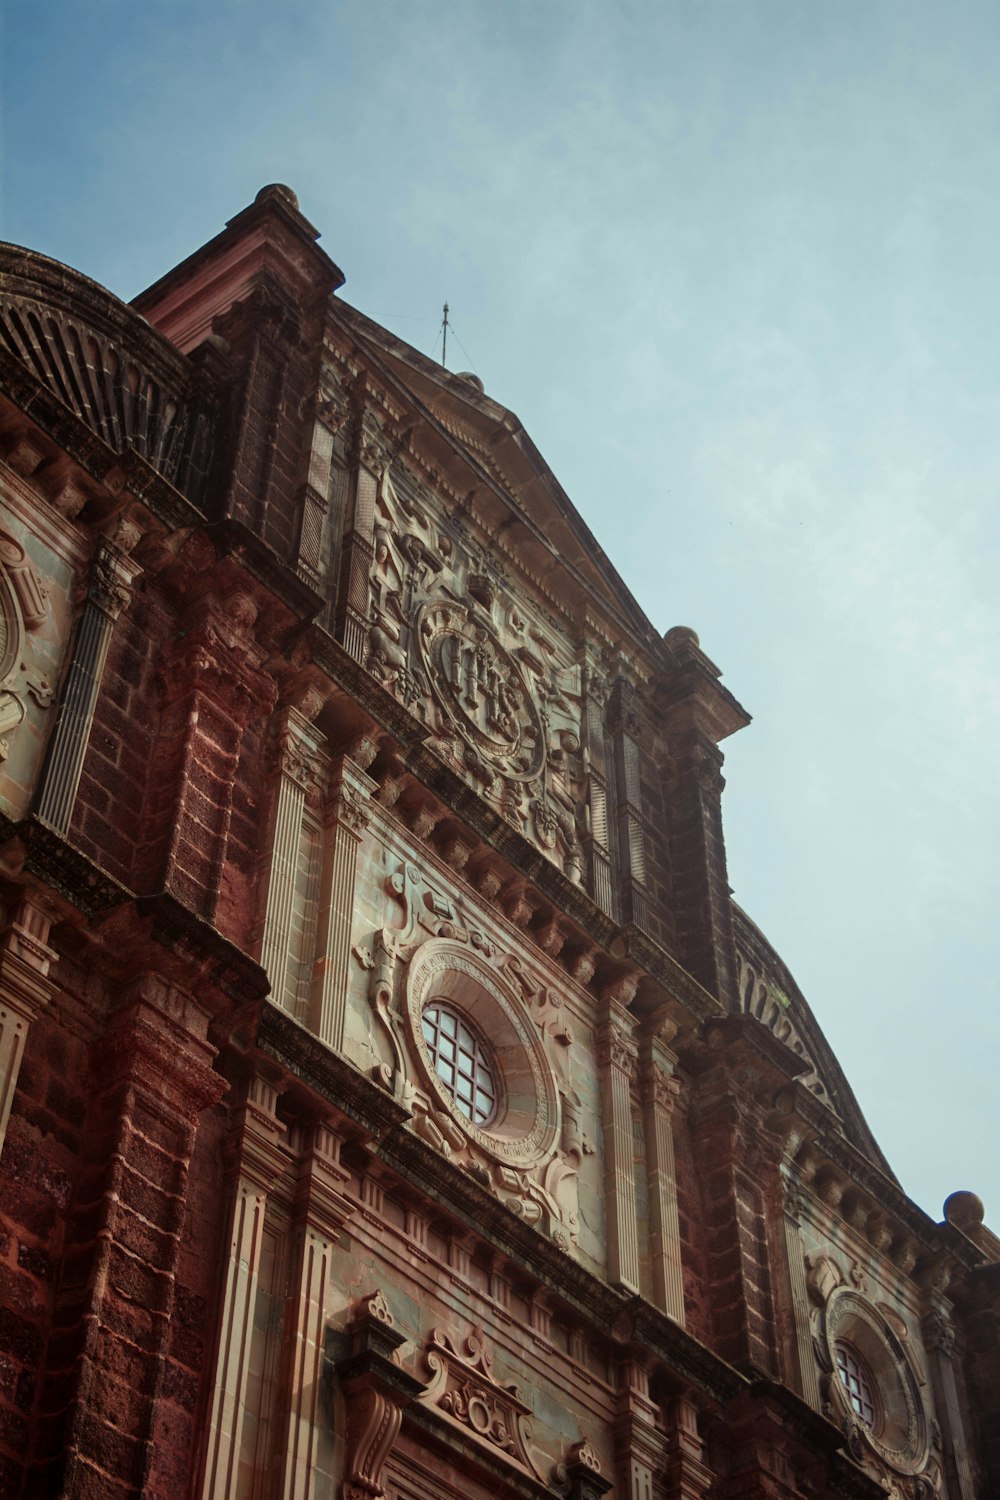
column 939, row 1341
column 598, row 789
column 631, row 835
column 306, row 1466
column 371, row 463
column 299, row 747
column 660, row 1092
column 617, row 1055
column 108, row 593
column 803, row 1357
column 350, row 798
column 260, row 1158
column 24, row 989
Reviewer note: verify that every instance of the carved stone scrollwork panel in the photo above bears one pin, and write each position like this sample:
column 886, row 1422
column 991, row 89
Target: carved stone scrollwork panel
column 499, row 693
column 465, row 1389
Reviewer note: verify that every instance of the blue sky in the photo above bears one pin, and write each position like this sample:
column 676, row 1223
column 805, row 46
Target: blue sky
column 734, row 264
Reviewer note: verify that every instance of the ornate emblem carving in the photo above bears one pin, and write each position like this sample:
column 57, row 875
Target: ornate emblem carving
column 500, row 695
column 464, row 1387
column 23, row 608
column 482, row 689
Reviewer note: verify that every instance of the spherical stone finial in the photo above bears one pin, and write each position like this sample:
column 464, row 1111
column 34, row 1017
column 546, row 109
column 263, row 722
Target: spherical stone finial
column 680, row 633
column 278, row 190
column 964, row 1209
column 471, row 379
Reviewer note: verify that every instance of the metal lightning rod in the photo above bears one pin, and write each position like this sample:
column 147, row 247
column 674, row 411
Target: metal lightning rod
column 444, row 339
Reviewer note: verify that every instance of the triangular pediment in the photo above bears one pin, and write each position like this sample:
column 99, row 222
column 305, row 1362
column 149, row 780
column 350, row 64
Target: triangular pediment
column 516, row 494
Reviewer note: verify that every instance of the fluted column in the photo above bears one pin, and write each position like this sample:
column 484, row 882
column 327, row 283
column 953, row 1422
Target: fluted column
column 802, row 1352
column 599, row 836
column 371, row 460
column 322, row 1209
column 626, row 734
column 109, row 591
column 939, row 1341
column 299, row 751
column 350, row 810
column 25, row 989
column 260, row 1158
column 660, row 1091
column 617, row 1057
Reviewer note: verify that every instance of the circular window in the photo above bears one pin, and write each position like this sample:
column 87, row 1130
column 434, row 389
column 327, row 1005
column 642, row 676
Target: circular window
column 857, row 1382
column 480, row 1054
column 875, row 1382
column 463, row 1061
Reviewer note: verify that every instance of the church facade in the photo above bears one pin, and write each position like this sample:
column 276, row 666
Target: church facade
column 393, row 1101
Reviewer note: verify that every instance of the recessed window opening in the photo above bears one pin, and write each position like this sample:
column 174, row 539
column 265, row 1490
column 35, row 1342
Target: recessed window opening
column 857, row 1383
column 463, row 1061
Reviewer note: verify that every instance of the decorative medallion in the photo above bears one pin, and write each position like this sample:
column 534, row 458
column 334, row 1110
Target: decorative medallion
column 898, row 1429
column 526, row 1125
column 481, row 688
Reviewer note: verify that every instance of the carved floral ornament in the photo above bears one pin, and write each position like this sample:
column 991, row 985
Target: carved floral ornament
column 894, row 1436
column 528, row 1152
column 24, row 607
column 496, row 686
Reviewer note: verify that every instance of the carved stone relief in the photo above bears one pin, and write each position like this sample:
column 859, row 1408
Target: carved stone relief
column 529, row 1154
column 465, row 1388
column 492, row 680
column 897, row 1441
column 23, row 608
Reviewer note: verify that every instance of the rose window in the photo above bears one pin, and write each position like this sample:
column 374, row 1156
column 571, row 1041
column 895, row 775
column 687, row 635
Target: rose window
column 463, row 1062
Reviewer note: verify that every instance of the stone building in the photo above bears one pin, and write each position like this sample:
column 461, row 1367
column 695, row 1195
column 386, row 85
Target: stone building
column 393, row 1100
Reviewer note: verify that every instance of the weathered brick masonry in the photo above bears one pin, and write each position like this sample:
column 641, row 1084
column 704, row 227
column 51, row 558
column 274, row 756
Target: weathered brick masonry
column 393, row 1102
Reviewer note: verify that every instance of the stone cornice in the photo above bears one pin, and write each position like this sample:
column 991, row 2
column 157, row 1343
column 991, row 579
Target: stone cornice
column 50, row 857
column 683, row 1354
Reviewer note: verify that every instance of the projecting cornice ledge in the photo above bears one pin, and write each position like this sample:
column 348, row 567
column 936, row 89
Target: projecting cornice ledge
column 30, row 848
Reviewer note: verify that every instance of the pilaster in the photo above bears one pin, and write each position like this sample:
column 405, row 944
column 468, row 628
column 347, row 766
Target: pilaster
column 617, row 1052
column 109, row 591
column 322, row 1209
column 25, row 989
column 299, row 761
column 259, row 1158
column 633, row 897
column 599, row 793
column 349, row 814
column 688, row 1476
column 370, row 463
column 940, row 1341
column 638, row 1441
column 800, row 1347
column 660, row 1092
